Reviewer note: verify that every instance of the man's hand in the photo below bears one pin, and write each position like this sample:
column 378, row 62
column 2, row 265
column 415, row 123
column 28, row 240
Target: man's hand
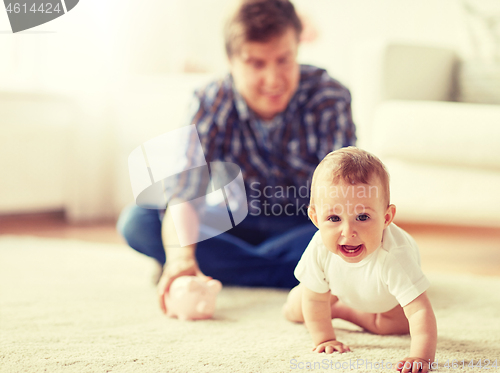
column 329, row 347
column 181, row 260
column 412, row 364
column 180, row 266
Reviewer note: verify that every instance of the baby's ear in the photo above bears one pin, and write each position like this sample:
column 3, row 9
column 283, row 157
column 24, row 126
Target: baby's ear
column 311, row 212
column 389, row 215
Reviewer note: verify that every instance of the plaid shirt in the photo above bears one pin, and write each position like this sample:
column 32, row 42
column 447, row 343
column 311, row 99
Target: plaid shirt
column 277, row 158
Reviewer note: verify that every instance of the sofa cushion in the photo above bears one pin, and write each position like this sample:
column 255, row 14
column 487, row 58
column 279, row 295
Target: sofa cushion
column 417, row 72
column 443, row 194
column 438, row 133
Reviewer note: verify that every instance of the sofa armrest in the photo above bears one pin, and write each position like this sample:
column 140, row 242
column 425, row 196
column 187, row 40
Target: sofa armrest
column 438, row 133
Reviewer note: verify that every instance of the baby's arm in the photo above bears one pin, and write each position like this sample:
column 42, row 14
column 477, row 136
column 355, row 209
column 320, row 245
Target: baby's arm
column 318, row 320
column 423, row 331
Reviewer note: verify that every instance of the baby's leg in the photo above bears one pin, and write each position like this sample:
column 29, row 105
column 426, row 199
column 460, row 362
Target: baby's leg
column 390, row 322
column 292, row 309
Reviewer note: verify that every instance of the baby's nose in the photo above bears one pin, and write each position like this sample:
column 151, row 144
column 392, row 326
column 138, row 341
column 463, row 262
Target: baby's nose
column 348, row 231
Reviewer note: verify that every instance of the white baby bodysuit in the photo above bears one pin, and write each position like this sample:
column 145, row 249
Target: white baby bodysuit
column 389, row 276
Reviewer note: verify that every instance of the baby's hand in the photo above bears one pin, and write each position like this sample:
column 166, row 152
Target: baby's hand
column 408, row 363
column 329, row 347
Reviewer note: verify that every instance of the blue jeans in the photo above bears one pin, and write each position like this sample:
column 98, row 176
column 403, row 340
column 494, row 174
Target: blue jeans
column 260, row 251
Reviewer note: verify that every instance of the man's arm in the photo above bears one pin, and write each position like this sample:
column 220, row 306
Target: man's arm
column 318, row 320
column 181, row 261
column 423, row 331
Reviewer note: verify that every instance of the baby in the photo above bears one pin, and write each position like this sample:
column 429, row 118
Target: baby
column 360, row 266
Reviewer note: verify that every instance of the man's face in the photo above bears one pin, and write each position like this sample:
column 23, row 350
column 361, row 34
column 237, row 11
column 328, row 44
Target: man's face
column 267, row 74
column 351, row 218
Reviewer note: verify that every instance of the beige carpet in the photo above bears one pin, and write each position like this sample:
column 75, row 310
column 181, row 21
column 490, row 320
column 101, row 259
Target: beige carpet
column 70, row 306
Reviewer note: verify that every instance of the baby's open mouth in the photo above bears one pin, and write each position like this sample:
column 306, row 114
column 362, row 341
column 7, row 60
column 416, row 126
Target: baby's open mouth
column 350, row 251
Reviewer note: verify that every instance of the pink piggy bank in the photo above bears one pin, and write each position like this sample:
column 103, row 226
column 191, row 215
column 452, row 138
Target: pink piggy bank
column 191, row 298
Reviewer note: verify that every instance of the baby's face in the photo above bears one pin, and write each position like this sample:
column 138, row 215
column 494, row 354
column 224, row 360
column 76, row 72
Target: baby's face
column 351, row 218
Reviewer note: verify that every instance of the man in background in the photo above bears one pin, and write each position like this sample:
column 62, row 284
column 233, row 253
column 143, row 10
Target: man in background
column 276, row 120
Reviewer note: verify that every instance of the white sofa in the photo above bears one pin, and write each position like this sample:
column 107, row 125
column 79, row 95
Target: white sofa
column 443, row 156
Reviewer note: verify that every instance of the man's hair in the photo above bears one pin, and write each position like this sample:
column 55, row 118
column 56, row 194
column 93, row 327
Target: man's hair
column 259, row 21
column 353, row 166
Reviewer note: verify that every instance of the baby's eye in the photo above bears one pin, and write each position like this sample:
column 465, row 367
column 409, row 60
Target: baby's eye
column 258, row 65
column 334, row 218
column 283, row 61
column 362, row 217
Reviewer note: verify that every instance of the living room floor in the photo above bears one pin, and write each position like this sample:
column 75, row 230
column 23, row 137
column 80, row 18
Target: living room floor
column 452, row 249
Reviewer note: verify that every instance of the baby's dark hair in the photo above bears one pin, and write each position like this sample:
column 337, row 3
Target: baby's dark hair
column 354, row 166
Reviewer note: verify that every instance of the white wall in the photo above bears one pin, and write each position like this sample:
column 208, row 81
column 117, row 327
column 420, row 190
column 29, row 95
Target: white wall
column 160, row 37
column 345, row 24
column 191, row 31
